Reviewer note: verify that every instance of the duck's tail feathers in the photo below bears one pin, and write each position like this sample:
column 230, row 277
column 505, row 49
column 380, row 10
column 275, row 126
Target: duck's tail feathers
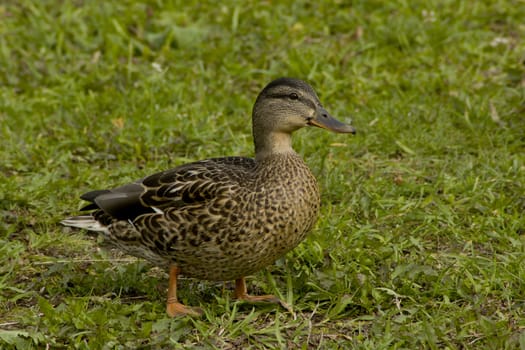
column 86, row 222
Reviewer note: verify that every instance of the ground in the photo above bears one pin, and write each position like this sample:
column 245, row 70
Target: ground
column 421, row 239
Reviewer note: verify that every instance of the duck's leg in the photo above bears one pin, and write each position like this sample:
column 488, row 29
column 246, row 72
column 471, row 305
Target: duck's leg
column 241, row 293
column 173, row 307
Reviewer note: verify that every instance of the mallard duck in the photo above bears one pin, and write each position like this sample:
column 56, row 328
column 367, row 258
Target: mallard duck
column 222, row 218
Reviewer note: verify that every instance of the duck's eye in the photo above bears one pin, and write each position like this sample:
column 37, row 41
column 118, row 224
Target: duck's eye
column 293, row 96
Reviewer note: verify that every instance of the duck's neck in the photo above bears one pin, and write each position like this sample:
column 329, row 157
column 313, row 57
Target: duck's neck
column 272, row 143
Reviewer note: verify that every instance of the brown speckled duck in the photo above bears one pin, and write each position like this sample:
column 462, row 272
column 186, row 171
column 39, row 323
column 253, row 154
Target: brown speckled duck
column 222, row 218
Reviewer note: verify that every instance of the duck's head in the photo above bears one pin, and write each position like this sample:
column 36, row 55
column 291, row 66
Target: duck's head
column 284, row 106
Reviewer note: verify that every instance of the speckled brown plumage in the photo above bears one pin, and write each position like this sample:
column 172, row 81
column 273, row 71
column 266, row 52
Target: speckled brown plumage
column 222, row 218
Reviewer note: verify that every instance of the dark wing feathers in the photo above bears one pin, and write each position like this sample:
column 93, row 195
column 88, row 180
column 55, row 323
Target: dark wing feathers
column 188, row 183
column 120, row 203
column 90, row 197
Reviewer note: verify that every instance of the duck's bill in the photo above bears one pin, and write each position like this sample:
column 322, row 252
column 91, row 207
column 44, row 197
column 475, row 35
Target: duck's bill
column 324, row 120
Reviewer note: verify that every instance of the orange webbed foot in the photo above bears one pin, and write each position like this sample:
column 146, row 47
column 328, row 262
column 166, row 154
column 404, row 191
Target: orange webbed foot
column 173, row 307
column 176, row 309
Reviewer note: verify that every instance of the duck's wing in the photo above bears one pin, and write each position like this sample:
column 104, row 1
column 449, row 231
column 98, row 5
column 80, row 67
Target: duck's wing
column 178, row 187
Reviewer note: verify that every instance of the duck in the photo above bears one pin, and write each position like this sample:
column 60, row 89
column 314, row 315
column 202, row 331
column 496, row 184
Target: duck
column 224, row 218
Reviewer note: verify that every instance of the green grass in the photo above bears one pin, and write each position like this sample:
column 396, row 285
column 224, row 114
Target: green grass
column 421, row 239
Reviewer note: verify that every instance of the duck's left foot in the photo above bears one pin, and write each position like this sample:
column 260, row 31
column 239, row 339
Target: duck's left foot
column 176, row 309
column 173, row 307
column 242, row 294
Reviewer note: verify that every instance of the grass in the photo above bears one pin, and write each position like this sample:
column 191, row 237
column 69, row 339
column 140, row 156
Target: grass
column 421, row 241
